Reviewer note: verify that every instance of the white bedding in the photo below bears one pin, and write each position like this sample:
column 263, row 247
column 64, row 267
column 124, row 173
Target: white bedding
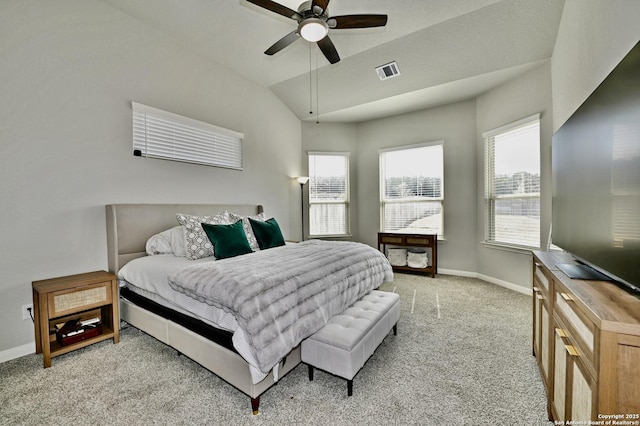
column 151, row 274
column 148, row 276
column 283, row 295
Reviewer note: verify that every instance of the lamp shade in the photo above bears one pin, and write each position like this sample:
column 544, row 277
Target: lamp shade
column 302, row 180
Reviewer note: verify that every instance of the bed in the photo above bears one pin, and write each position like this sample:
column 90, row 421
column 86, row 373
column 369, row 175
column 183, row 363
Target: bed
column 214, row 345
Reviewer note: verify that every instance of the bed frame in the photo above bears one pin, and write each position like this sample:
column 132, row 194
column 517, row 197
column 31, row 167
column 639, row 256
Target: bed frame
column 129, row 226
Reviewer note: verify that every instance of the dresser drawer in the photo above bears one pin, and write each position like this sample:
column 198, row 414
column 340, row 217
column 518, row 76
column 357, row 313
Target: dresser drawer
column 581, row 330
column 540, row 278
column 68, row 301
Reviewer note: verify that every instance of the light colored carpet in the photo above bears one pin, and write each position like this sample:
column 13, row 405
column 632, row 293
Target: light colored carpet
column 462, row 356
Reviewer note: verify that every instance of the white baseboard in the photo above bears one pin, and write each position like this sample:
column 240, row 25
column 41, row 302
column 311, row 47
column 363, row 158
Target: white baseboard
column 506, row 284
column 457, row 273
column 492, row 280
column 14, row 353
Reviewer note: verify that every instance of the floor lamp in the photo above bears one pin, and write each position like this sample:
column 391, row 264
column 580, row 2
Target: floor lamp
column 302, row 180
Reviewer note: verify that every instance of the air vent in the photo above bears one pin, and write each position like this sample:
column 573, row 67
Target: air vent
column 388, row 71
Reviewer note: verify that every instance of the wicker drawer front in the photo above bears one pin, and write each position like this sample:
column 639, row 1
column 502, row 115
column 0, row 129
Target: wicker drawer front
column 69, row 301
column 418, row 241
column 391, row 240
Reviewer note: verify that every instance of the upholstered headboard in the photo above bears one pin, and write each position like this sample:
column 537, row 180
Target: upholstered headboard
column 129, row 226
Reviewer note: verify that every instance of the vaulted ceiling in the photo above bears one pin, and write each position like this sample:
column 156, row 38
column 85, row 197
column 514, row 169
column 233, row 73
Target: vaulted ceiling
column 446, row 50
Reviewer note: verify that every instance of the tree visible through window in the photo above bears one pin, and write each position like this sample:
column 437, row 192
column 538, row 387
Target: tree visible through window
column 328, row 194
column 512, row 183
column 412, row 188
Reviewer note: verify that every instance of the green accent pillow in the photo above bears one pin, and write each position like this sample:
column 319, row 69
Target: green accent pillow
column 227, row 240
column 267, row 233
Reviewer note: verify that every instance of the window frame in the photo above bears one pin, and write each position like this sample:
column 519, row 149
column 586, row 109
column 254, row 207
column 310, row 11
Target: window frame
column 346, row 202
column 382, row 184
column 490, row 197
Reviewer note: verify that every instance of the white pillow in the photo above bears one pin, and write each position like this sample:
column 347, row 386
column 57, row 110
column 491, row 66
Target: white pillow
column 170, row 241
column 253, row 243
column 197, row 244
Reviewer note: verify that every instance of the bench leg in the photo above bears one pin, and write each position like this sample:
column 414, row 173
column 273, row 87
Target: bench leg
column 349, row 387
column 395, row 329
column 310, row 372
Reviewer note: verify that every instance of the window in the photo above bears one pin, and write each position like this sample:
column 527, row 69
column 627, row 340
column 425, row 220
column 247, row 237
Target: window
column 412, row 188
column 328, row 194
column 164, row 135
column 512, row 183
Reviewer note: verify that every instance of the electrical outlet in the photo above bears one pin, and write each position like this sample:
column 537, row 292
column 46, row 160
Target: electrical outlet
column 25, row 312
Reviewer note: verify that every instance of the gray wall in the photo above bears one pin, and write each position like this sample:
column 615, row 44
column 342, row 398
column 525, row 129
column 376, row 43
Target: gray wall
column 517, row 99
column 455, row 125
column 333, row 137
column 593, row 37
column 69, row 70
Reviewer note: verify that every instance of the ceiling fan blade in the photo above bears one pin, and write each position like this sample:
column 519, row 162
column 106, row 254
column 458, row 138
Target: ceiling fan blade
column 282, row 43
column 329, row 50
column 276, row 8
column 357, row 21
column 321, row 4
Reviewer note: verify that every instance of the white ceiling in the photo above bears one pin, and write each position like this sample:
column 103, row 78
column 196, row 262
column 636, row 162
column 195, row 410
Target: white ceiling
column 447, row 50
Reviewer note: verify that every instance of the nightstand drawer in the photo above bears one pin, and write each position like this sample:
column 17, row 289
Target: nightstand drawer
column 69, row 301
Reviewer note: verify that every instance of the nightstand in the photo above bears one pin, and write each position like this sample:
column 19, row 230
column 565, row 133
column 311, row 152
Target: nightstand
column 82, row 296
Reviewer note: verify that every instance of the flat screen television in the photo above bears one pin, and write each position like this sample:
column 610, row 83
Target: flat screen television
column 596, row 180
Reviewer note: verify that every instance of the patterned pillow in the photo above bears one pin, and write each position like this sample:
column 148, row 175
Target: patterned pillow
column 198, row 244
column 247, row 227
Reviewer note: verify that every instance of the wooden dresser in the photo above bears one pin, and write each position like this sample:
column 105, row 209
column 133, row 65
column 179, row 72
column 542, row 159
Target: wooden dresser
column 586, row 339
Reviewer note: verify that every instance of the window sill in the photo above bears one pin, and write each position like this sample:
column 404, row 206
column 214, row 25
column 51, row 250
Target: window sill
column 321, row 237
column 514, row 249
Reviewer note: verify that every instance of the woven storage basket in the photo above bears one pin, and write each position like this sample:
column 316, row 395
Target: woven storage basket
column 397, row 256
column 417, row 259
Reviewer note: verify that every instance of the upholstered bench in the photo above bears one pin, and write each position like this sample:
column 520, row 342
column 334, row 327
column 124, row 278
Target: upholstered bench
column 347, row 341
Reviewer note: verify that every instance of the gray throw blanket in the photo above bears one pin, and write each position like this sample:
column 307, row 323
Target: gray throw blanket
column 282, row 295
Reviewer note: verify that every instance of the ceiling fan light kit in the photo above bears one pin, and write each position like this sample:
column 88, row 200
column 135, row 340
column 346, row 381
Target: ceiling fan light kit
column 314, row 23
column 313, row 29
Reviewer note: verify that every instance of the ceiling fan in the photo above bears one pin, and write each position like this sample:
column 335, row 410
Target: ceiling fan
column 314, row 23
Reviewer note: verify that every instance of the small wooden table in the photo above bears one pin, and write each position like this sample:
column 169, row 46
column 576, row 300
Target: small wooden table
column 411, row 240
column 82, row 296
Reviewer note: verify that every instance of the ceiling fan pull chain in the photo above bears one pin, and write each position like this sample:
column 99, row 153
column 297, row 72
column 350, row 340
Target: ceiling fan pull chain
column 317, row 89
column 310, row 82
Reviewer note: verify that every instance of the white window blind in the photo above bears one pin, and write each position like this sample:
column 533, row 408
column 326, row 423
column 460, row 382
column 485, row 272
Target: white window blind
column 412, row 188
column 512, row 184
column 164, row 135
column 328, row 194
